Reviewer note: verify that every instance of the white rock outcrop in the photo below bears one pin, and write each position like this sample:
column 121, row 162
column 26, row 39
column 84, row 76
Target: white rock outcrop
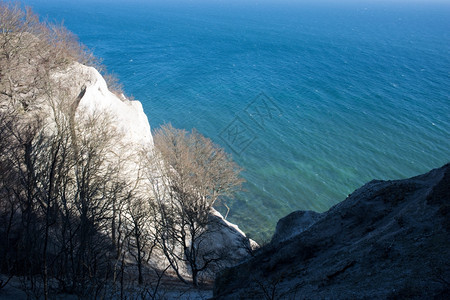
column 127, row 116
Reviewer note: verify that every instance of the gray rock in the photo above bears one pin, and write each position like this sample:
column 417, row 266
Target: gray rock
column 294, row 224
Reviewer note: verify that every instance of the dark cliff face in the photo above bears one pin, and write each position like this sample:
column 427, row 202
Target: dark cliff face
column 388, row 239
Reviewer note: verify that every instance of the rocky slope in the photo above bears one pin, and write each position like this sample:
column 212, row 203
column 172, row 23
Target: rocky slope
column 388, row 239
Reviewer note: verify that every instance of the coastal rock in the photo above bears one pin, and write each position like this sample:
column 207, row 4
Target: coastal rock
column 294, row 224
column 226, row 235
column 387, row 240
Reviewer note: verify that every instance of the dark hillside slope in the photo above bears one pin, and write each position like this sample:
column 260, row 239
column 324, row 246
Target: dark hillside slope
column 388, row 239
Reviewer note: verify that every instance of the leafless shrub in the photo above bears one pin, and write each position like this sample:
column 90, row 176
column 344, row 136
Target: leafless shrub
column 269, row 287
column 195, row 174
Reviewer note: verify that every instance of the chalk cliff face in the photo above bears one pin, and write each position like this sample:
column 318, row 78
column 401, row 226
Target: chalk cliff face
column 388, row 239
column 92, row 97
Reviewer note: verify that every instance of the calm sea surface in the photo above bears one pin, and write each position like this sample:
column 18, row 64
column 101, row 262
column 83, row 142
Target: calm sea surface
column 312, row 100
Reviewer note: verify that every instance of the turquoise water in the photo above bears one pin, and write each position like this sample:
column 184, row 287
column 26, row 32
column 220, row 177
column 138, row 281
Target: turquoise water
column 351, row 92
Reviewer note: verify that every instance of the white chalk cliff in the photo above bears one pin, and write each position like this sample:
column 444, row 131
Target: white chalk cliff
column 128, row 118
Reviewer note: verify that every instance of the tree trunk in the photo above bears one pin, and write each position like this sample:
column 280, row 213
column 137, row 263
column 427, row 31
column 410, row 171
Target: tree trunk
column 139, row 258
column 195, row 278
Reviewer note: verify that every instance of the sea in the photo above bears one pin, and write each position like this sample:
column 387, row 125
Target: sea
column 311, row 98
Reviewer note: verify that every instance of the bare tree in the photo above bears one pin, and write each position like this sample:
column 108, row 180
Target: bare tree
column 94, row 169
column 194, row 174
column 8, row 204
column 142, row 241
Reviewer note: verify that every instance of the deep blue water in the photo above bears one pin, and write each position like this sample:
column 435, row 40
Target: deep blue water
column 351, row 92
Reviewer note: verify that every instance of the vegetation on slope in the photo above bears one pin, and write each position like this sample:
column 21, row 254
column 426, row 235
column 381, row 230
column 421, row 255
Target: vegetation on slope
column 71, row 219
